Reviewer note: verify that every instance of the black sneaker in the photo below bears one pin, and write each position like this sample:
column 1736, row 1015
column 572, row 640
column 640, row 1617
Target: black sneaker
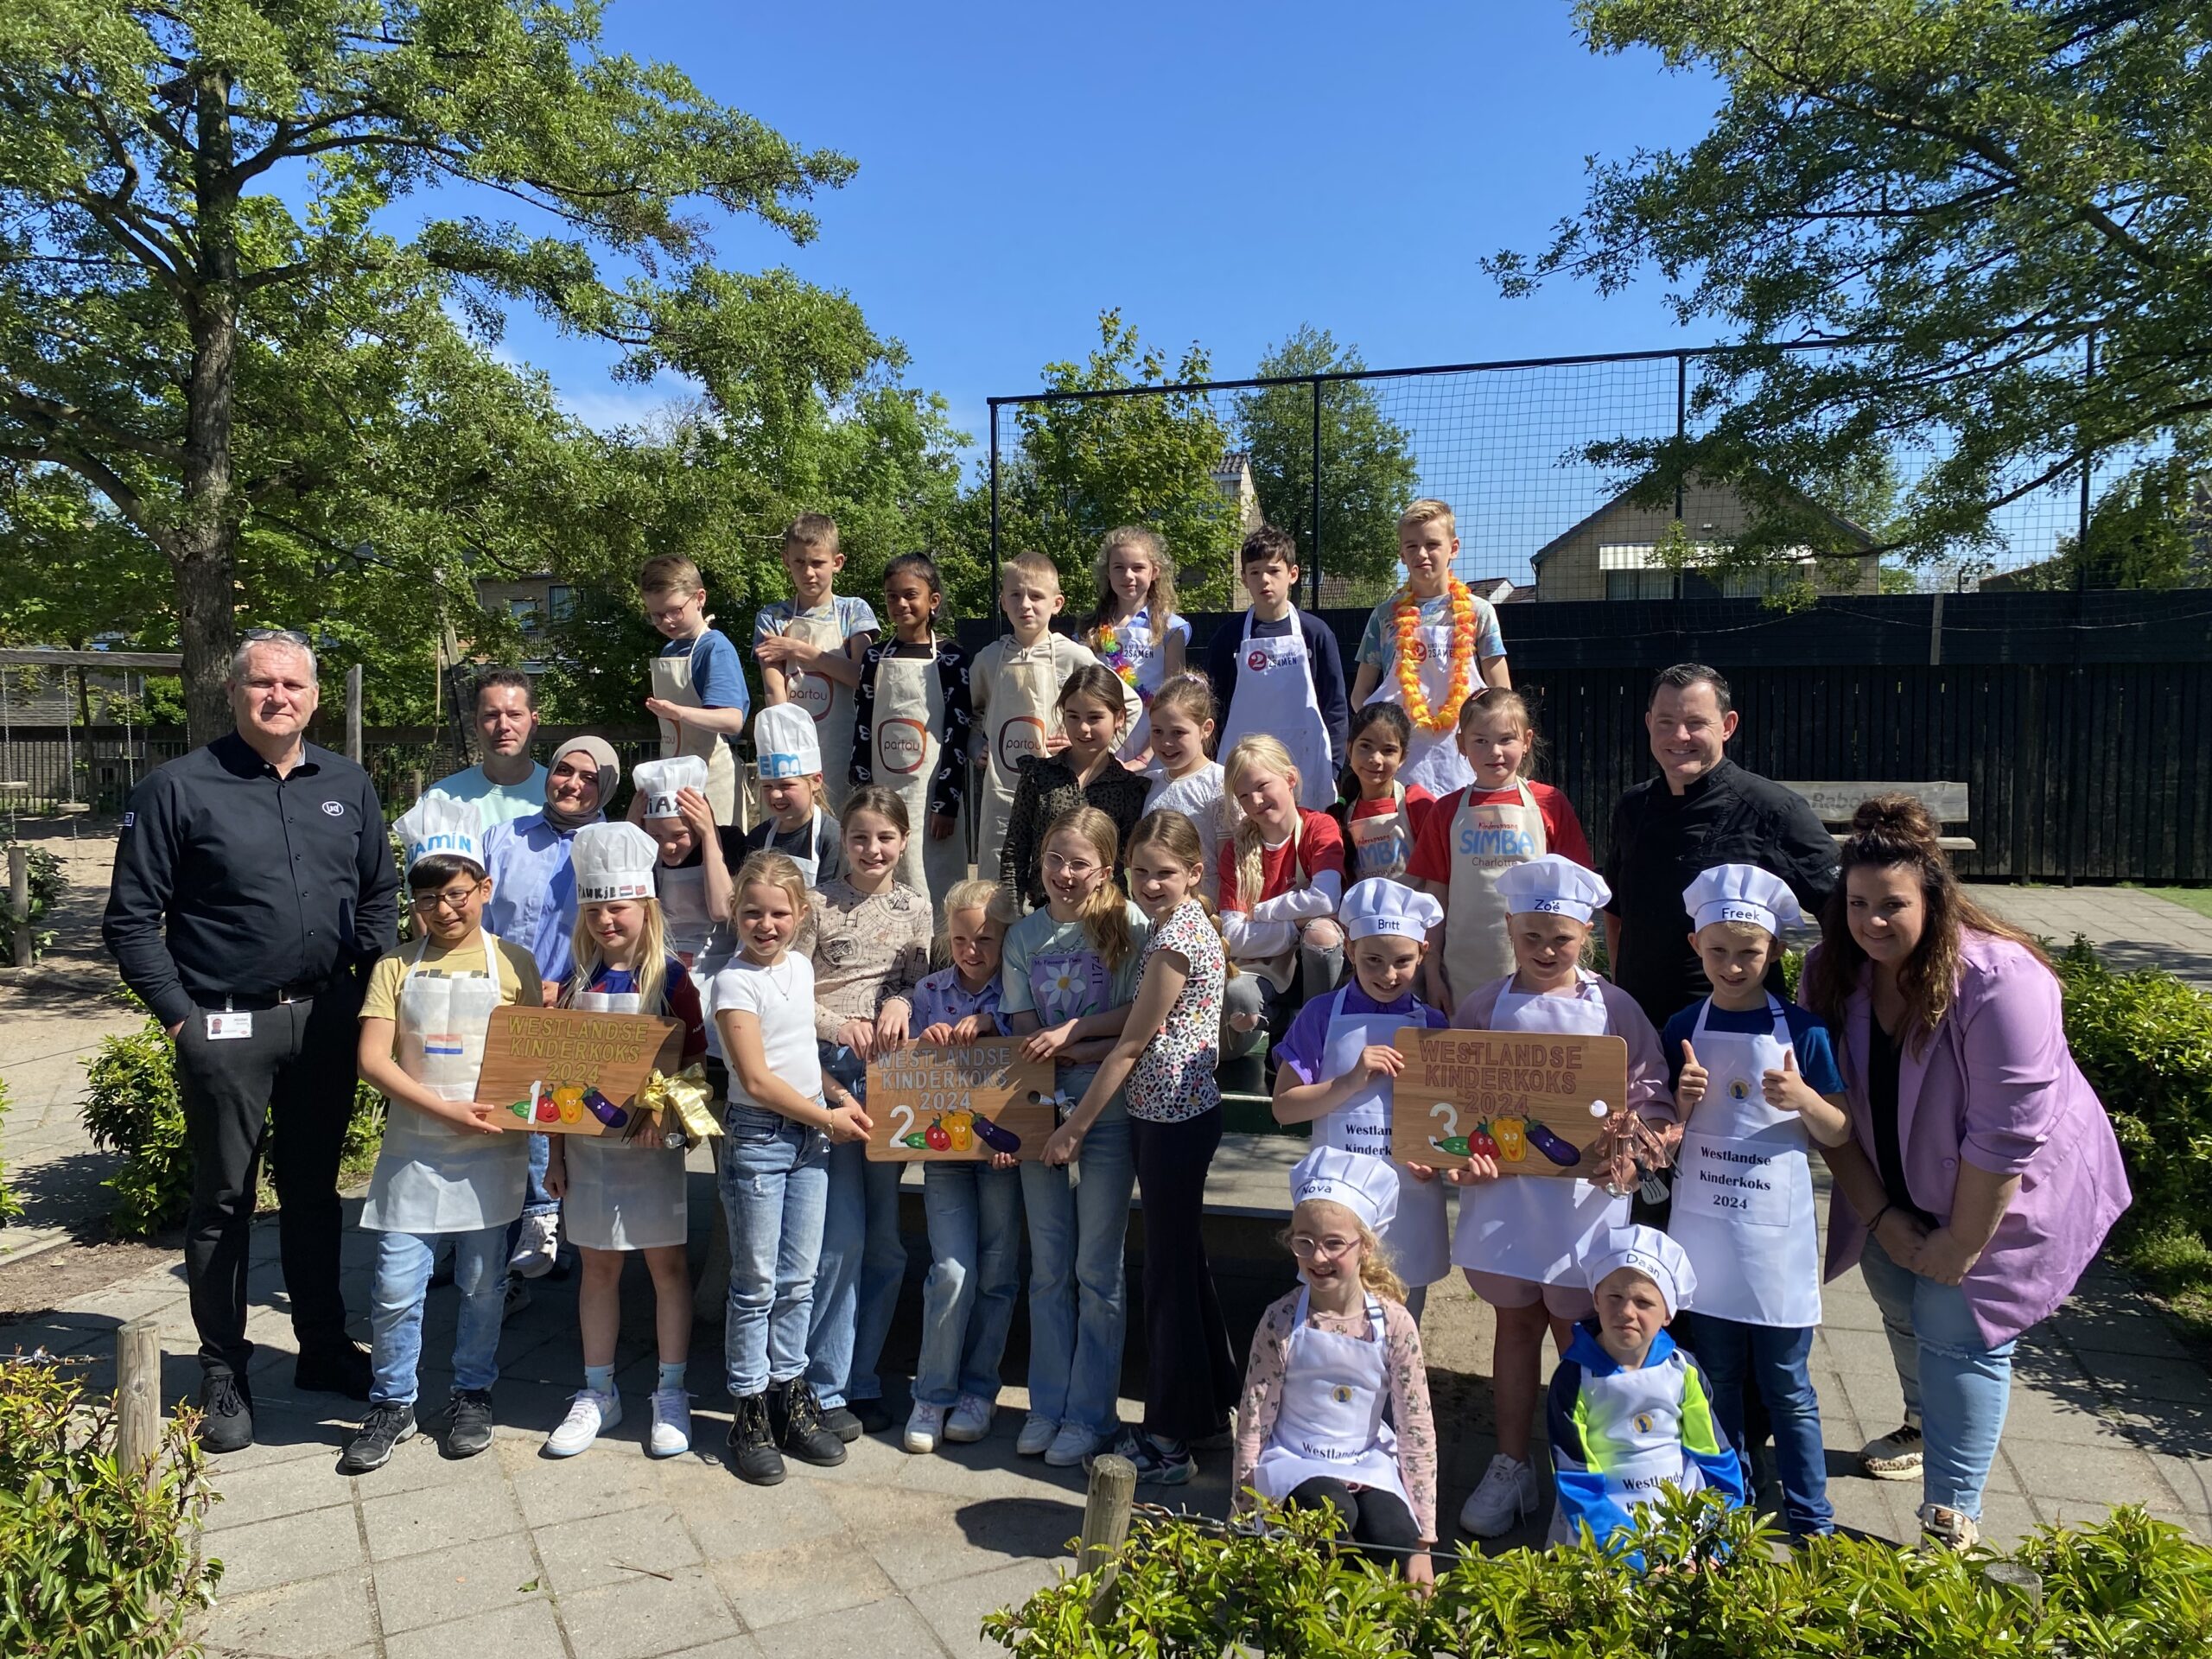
column 468, row 1423
column 225, row 1413
column 840, row 1423
column 795, row 1416
column 334, row 1368
column 875, row 1417
column 385, row 1428
column 752, row 1443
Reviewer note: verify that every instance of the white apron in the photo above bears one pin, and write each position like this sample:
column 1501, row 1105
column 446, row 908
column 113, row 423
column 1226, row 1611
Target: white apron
column 672, row 682
column 682, row 894
column 1329, row 1425
column 1432, row 759
column 1485, row 839
column 1020, row 720
column 1538, row 1227
column 1637, row 1420
column 1143, row 653
column 827, row 699
column 1744, row 1190
column 1274, row 694
column 1419, row 1236
column 431, row 1177
column 622, row 1195
column 904, row 743
column 1381, row 845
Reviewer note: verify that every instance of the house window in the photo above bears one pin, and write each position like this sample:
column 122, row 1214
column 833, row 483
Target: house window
column 1757, row 584
column 1640, row 584
column 560, row 602
column 524, row 615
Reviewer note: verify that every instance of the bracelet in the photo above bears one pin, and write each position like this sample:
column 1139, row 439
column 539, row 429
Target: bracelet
column 1878, row 1214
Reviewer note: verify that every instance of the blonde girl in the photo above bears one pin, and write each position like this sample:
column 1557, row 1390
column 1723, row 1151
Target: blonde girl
column 1188, row 777
column 1475, row 834
column 1070, row 974
column 1084, row 773
column 1134, row 629
column 782, row 1118
column 1282, row 875
column 1166, row 1054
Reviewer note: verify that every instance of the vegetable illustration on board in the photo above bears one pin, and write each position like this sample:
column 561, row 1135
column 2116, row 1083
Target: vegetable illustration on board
column 1519, row 1101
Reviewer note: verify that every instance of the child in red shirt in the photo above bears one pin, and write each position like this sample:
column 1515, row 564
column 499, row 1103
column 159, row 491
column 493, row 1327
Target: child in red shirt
column 1281, row 877
column 1382, row 818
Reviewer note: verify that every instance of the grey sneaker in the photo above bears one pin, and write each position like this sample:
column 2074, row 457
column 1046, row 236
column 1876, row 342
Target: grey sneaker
column 1897, row 1455
column 385, row 1428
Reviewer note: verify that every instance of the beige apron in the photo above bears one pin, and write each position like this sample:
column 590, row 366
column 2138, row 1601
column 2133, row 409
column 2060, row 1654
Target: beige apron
column 671, row 681
column 829, row 701
column 904, row 746
column 1381, row 845
column 1485, row 838
column 1022, row 715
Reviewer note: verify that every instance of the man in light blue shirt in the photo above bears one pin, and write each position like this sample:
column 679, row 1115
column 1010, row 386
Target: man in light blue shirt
column 509, row 785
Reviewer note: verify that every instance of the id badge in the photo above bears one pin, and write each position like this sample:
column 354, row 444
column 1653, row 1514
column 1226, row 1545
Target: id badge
column 227, row 1026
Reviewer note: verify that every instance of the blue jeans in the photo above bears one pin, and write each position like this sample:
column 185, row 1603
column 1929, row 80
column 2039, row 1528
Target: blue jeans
column 1958, row 1386
column 775, row 1185
column 1078, row 1306
column 1772, row 1358
column 863, row 1263
column 536, row 1200
column 403, row 1274
column 974, row 1216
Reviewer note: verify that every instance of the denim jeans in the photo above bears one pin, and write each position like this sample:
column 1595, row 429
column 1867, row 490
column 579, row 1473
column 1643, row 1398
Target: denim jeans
column 1957, row 1386
column 536, row 1200
column 1078, row 1306
column 403, row 1274
column 974, row 1217
column 775, row 1186
column 863, row 1262
column 1772, row 1358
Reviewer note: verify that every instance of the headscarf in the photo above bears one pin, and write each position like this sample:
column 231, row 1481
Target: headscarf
column 609, row 766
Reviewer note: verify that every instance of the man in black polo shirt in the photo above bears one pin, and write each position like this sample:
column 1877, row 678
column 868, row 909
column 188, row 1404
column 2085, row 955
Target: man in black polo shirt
column 253, row 889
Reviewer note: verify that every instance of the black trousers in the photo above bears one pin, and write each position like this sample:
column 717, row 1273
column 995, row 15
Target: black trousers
column 287, row 1089
column 1370, row 1516
column 1193, row 1376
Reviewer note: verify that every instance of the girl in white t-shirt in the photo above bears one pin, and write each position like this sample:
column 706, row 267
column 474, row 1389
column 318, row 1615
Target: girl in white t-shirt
column 1188, row 780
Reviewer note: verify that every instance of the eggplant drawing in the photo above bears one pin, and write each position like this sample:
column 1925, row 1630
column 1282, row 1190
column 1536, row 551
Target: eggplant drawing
column 605, row 1110
column 1559, row 1152
column 997, row 1138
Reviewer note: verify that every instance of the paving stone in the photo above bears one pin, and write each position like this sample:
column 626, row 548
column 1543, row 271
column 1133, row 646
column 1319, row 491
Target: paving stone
column 527, row 1631
column 437, row 1517
column 2133, row 1327
column 456, row 1581
column 955, row 1610
column 2148, row 1377
column 2188, row 1477
column 822, row 1575
column 730, row 1519
column 2091, row 1470
column 302, row 1620
column 581, row 1555
column 291, row 1486
column 921, row 1538
column 554, row 1489
column 2007, row 1517
column 648, row 1616
column 884, row 1629
column 293, row 1546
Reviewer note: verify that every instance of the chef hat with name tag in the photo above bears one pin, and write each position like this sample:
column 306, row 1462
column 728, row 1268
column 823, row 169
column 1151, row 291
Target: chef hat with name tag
column 1379, row 905
column 1652, row 1254
column 1366, row 1186
column 612, row 861
column 784, row 742
column 435, row 824
column 1553, row 886
column 1741, row 892
column 657, row 781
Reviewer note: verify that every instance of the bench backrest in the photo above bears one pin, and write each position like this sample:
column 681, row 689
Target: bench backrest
column 1835, row 803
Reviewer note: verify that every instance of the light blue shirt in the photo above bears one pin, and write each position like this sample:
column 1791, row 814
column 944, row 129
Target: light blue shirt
column 494, row 802
column 533, row 901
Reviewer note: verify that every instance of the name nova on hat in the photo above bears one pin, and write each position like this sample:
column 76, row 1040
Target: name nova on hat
column 1366, row 1186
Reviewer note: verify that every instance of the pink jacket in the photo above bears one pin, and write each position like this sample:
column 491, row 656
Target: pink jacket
column 1648, row 1093
column 1997, row 1086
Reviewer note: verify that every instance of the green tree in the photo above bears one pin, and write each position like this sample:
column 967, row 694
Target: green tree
column 212, row 355
column 1367, row 474
column 1946, row 199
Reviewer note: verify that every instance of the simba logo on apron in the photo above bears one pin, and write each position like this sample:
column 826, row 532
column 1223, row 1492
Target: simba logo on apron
column 901, row 743
column 1495, row 841
column 1021, row 735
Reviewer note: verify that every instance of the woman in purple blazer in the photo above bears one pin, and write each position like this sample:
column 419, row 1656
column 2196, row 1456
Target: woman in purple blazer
column 1982, row 1174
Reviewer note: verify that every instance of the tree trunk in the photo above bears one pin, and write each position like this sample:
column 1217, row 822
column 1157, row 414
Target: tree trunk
column 205, row 635
column 208, row 536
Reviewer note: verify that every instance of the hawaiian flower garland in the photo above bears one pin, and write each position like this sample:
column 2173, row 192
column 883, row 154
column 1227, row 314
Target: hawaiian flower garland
column 1124, row 655
column 1410, row 692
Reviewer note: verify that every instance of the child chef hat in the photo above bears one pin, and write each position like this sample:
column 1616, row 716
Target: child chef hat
column 612, row 861
column 1379, row 905
column 1652, row 1254
column 1553, row 886
column 436, row 824
column 784, row 742
column 1366, row 1186
column 658, row 780
column 1741, row 892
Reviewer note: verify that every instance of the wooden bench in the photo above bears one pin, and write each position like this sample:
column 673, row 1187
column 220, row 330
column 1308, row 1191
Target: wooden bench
column 1836, row 803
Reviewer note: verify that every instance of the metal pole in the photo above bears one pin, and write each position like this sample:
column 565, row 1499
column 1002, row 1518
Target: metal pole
column 1314, row 528
column 19, row 900
column 353, row 713
column 2089, row 466
column 995, row 507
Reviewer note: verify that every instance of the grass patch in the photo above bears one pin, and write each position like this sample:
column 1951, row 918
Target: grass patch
column 2196, row 898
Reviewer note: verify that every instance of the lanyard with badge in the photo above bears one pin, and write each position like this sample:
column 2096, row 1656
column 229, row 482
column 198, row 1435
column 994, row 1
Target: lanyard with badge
column 229, row 1024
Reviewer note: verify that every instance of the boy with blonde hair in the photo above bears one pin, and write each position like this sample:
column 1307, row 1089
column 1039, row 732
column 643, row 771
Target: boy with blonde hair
column 810, row 645
column 699, row 694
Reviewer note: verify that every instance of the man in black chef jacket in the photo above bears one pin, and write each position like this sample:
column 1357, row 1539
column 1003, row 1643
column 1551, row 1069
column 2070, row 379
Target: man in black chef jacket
column 253, row 889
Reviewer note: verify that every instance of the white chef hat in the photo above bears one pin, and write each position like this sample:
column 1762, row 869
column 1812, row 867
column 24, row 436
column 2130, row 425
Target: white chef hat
column 1652, row 1254
column 1741, row 892
column 612, row 861
column 783, row 743
column 1379, row 905
column 1366, row 1186
column 658, row 780
column 1552, row 886
column 438, row 825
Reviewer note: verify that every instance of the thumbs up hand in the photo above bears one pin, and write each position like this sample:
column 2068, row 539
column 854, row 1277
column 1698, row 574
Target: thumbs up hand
column 1786, row 1091
column 1690, row 1087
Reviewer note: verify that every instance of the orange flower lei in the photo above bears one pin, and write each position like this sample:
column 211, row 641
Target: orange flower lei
column 1462, row 658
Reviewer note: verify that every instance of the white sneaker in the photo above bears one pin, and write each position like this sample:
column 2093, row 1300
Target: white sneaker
column 924, row 1425
column 1037, row 1434
column 1898, row 1455
column 1070, row 1446
column 589, row 1413
column 534, row 1247
column 1508, row 1492
column 970, row 1419
column 671, row 1430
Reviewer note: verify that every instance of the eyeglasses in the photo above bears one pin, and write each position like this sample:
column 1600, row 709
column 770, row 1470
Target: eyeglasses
column 290, row 636
column 453, row 899
column 1306, row 1249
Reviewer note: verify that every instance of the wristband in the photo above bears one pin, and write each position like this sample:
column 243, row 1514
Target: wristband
column 1878, row 1214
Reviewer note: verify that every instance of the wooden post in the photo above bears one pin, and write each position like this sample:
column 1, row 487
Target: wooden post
column 1106, row 1526
column 2010, row 1578
column 415, row 778
column 353, row 713
column 137, row 1396
column 19, row 900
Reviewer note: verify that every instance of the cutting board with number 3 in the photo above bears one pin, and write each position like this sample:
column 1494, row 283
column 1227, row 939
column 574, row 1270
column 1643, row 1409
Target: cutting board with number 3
column 1522, row 1097
column 931, row 1104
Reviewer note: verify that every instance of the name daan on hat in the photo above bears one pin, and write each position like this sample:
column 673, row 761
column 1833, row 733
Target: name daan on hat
column 658, row 782
column 1379, row 906
column 1651, row 1253
column 1366, row 1186
column 784, row 742
column 1741, row 892
column 611, row 861
column 435, row 824
column 1553, row 886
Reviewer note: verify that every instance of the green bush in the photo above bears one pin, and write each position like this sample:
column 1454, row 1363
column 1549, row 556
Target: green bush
column 94, row 1563
column 133, row 1107
column 48, row 885
column 2127, row 1587
column 11, row 1207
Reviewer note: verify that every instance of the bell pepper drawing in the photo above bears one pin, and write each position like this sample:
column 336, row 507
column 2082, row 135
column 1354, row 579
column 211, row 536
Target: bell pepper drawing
column 1512, row 1137
column 961, row 1127
column 570, row 1100
column 997, row 1138
column 938, row 1136
column 1559, row 1152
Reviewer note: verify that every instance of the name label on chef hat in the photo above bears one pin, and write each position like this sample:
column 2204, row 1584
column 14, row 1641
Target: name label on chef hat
column 661, row 806
column 446, row 841
column 1757, row 915
column 600, row 893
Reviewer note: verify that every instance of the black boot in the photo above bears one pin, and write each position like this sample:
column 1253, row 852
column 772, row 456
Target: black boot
column 752, row 1443
column 225, row 1412
column 796, row 1416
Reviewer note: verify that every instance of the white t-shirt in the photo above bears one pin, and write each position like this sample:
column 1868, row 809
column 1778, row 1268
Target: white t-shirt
column 1197, row 796
column 782, row 999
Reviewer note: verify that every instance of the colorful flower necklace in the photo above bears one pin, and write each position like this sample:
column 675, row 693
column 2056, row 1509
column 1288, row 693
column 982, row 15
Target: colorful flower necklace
column 1124, row 655
column 1410, row 690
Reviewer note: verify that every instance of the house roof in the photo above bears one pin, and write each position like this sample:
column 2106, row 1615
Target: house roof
column 1857, row 532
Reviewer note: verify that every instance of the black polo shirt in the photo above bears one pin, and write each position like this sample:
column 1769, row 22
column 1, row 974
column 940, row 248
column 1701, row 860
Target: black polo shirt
column 1661, row 842
column 233, row 881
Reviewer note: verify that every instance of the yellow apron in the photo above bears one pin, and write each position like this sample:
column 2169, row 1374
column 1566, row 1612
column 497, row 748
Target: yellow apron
column 904, row 746
column 827, row 699
column 1019, row 719
column 1486, row 837
column 672, row 682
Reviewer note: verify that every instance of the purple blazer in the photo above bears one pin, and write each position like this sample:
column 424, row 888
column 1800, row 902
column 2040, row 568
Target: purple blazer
column 1997, row 1086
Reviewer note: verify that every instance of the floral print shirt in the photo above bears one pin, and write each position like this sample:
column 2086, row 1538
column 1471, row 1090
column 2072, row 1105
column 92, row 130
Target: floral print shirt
column 1174, row 1078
